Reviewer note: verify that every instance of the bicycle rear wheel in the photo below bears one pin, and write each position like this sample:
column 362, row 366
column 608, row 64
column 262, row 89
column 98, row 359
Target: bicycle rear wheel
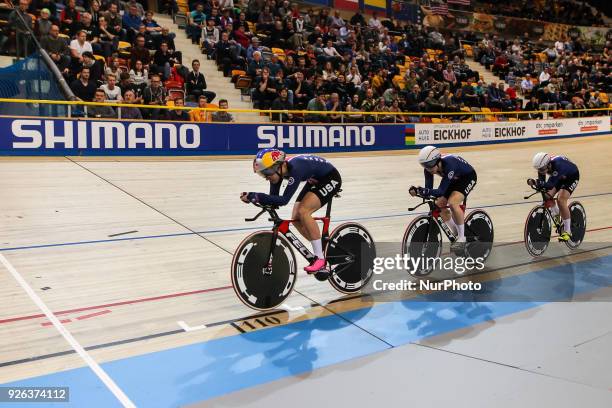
column 537, row 231
column 350, row 253
column 579, row 223
column 258, row 286
column 478, row 235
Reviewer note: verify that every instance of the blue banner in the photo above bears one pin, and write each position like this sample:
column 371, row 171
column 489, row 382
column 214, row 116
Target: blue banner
column 42, row 136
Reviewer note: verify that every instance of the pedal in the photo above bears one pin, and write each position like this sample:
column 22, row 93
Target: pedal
column 322, row 275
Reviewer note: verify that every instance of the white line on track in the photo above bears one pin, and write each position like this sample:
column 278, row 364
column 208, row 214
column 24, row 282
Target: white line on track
column 188, row 328
column 110, row 384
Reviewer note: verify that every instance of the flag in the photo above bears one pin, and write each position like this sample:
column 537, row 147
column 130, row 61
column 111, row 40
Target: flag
column 409, row 135
column 439, row 9
column 460, row 2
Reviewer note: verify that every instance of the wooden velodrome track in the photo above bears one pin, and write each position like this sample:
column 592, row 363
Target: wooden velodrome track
column 133, row 255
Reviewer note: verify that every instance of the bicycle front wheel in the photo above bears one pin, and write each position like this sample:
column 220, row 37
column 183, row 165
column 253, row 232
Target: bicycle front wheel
column 259, row 285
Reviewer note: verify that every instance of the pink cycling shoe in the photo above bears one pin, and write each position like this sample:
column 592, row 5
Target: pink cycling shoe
column 316, row 266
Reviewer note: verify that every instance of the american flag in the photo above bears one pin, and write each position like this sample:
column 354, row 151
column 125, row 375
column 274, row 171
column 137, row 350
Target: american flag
column 460, row 2
column 440, row 8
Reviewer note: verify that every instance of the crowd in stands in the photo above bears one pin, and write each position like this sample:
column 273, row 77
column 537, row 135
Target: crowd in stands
column 554, row 11
column 115, row 51
column 562, row 75
column 320, row 61
column 287, row 58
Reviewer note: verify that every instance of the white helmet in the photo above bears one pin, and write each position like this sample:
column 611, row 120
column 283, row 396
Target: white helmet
column 540, row 160
column 429, row 156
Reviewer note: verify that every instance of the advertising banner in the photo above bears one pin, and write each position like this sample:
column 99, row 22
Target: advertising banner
column 115, row 137
column 48, row 136
column 496, row 132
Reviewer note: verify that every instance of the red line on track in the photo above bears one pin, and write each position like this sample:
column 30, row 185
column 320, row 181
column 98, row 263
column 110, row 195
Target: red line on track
column 126, row 302
column 49, row 323
column 88, row 316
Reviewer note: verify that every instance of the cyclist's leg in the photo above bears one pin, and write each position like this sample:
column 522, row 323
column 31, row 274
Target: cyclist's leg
column 564, row 211
column 295, row 214
column 445, row 213
column 455, row 200
column 309, row 204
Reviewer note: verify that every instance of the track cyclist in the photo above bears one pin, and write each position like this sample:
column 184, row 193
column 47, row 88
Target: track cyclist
column 563, row 180
column 458, row 180
column 322, row 179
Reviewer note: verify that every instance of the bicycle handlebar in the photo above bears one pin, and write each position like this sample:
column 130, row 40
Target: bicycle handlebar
column 542, row 190
column 415, row 207
column 270, row 209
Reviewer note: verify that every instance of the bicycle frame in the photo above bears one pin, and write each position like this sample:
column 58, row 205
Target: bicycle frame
column 435, row 214
column 282, row 227
column 546, row 199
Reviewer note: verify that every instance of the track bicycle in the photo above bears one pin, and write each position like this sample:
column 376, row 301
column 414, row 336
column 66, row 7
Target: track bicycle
column 540, row 222
column 264, row 268
column 423, row 237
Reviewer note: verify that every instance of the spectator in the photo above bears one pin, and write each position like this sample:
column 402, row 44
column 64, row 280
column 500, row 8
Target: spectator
column 196, row 83
column 130, row 112
column 83, row 88
column 133, row 3
column 140, row 53
column 197, row 115
column 113, row 18
column 100, row 111
column 265, row 90
column 62, row 63
column 139, row 77
column 43, row 23
column 222, row 115
column 155, row 94
column 16, row 20
column 282, row 103
column 179, row 115
column 94, row 11
column 109, row 39
column 96, row 68
column 211, row 38
column 111, row 90
column 197, row 21
column 527, row 85
column 317, row 104
column 80, row 45
column 152, row 27
column 334, row 105
column 53, row 43
column 69, row 18
column 131, row 23
column 163, row 60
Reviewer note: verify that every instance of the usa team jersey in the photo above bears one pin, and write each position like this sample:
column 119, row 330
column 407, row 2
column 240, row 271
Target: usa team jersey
column 453, row 168
column 301, row 168
column 562, row 168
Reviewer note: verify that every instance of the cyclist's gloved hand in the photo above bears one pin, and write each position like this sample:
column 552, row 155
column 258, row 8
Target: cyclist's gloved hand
column 531, row 182
column 424, row 192
column 243, row 197
column 412, row 190
column 252, row 198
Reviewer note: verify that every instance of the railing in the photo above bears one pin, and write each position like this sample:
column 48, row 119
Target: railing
column 80, row 109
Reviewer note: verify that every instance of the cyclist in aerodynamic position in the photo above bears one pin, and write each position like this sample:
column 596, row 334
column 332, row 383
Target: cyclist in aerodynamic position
column 458, row 180
column 562, row 181
column 322, row 179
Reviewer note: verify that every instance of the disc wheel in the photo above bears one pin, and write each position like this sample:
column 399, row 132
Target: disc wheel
column 350, row 253
column 422, row 239
column 258, row 285
column 478, row 235
column 537, row 231
column 579, row 223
